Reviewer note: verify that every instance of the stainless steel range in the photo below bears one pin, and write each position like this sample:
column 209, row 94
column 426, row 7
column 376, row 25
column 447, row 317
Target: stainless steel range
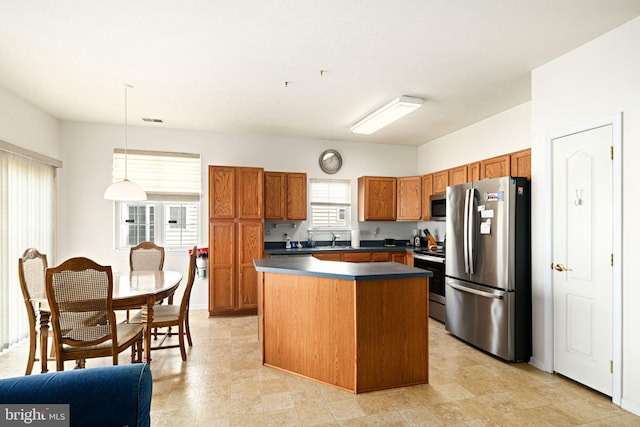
column 434, row 262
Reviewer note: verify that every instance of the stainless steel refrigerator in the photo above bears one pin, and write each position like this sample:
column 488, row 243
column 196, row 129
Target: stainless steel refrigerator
column 488, row 266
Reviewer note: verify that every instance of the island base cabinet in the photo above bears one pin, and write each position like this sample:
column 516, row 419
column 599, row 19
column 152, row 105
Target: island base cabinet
column 356, row 335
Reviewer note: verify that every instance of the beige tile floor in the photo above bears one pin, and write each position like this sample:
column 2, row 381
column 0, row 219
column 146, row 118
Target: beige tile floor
column 223, row 384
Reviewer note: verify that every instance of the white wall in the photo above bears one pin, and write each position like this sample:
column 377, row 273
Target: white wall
column 26, row 126
column 501, row 134
column 85, row 222
column 595, row 81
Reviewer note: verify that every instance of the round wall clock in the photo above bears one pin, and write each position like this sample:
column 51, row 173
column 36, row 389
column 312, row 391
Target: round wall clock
column 330, row 161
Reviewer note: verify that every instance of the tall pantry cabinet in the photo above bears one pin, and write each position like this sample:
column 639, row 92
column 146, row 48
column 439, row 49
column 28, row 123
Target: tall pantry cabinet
column 236, row 225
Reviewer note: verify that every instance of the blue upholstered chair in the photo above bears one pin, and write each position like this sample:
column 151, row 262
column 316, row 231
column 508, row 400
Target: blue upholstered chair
column 102, row 396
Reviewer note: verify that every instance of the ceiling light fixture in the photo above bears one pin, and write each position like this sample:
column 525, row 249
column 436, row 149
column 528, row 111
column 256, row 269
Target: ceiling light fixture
column 125, row 190
column 387, row 114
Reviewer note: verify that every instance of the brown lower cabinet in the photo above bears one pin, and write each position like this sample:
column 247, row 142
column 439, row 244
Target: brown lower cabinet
column 350, row 256
column 345, row 333
column 232, row 277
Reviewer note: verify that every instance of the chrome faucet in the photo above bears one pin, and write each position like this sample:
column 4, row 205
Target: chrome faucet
column 334, row 237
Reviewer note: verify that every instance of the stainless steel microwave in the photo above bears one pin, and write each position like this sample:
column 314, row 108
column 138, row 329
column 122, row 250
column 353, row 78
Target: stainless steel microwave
column 438, row 207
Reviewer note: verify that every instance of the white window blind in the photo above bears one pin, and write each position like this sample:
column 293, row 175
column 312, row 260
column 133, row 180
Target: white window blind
column 170, row 215
column 163, row 175
column 330, row 203
column 27, row 207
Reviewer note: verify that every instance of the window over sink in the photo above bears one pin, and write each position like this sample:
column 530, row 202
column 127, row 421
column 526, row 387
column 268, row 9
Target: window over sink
column 330, row 204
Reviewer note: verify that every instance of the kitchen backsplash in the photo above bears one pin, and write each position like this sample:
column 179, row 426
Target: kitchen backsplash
column 371, row 230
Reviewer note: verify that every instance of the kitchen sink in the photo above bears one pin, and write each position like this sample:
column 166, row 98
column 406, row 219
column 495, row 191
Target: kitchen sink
column 328, row 248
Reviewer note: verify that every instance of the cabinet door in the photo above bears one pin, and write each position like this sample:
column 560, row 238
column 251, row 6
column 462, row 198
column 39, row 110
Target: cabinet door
column 457, row 175
column 332, row 256
column 356, row 256
column 399, row 257
column 221, row 192
column 250, row 247
column 380, row 256
column 495, row 167
column 221, row 265
column 440, row 182
column 427, row 190
column 473, row 172
column 297, row 196
column 409, row 198
column 521, row 163
column 249, row 195
column 274, row 195
column 376, row 198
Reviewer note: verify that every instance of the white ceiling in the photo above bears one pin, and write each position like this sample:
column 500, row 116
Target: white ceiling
column 222, row 65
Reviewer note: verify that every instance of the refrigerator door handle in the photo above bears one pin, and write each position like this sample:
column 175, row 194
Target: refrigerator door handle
column 469, row 231
column 475, row 291
column 465, row 239
column 472, row 230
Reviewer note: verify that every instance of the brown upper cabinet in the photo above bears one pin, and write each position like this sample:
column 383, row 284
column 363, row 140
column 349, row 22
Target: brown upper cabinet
column 440, row 182
column 377, row 198
column 409, row 198
column 521, row 163
column 238, row 192
column 285, row 196
column 457, row 175
column 427, row 190
column 249, row 193
column 222, row 184
column 495, row 167
column 473, row 172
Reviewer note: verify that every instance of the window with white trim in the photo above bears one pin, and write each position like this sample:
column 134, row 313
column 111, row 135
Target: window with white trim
column 330, row 202
column 170, row 215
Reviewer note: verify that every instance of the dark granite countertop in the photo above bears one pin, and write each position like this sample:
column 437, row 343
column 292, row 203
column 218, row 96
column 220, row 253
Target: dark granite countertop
column 310, row 266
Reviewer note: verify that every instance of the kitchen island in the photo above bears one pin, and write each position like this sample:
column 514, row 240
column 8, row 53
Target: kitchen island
column 356, row 326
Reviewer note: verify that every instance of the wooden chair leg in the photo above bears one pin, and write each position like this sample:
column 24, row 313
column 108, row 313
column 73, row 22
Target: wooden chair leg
column 32, row 351
column 183, row 351
column 186, row 323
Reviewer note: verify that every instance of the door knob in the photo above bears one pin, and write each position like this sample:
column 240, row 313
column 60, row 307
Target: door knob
column 560, row 267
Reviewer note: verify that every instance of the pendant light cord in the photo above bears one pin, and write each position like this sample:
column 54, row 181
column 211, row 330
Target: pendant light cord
column 126, row 142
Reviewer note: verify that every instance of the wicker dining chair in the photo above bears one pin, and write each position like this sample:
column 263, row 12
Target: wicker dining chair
column 84, row 325
column 146, row 256
column 165, row 316
column 31, row 270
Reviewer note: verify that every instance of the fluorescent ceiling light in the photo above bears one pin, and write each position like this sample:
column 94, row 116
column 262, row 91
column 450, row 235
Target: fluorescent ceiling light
column 387, row 114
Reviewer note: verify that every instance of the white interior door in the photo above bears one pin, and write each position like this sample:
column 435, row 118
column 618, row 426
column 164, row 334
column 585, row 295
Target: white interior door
column 582, row 257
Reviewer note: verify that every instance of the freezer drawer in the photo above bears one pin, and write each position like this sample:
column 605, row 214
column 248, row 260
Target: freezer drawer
column 482, row 316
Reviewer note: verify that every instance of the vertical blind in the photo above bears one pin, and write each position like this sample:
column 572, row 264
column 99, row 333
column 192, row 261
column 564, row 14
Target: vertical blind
column 27, row 206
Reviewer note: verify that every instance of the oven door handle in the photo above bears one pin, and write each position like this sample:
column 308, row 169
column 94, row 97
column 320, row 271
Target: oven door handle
column 475, row 291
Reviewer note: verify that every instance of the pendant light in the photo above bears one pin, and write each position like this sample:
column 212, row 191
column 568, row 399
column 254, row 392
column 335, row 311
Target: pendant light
column 125, row 190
